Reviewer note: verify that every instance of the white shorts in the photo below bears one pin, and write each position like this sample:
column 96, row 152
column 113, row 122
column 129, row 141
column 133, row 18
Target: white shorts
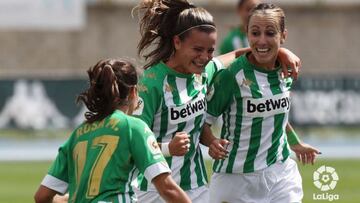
column 279, row 183
column 197, row 195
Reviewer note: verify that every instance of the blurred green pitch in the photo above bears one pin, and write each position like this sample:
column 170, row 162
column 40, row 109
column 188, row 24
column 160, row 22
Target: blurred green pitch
column 20, row 180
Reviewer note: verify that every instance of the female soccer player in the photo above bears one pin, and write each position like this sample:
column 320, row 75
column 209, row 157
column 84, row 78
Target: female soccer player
column 180, row 39
column 236, row 38
column 255, row 101
column 95, row 163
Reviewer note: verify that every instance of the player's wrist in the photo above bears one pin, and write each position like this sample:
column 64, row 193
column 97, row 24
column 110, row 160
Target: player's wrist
column 165, row 149
column 293, row 138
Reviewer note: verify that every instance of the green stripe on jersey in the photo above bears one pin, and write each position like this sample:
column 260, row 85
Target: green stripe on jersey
column 181, row 102
column 278, row 122
column 254, row 120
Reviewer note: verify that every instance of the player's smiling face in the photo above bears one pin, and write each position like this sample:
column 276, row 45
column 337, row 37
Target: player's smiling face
column 194, row 52
column 265, row 38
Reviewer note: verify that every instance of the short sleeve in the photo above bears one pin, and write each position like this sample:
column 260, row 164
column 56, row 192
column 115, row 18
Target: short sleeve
column 146, row 151
column 219, row 96
column 57, row 177
column 212, row 68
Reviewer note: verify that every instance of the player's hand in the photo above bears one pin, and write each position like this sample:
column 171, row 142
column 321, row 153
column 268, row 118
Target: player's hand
column 61, row 198
column 289, row 59
column 305, row 153
column 180, row 144
column 217, row 149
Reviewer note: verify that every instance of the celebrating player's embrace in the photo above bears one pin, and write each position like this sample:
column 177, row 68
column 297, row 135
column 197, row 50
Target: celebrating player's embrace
column 254, row 101
column 105, row 153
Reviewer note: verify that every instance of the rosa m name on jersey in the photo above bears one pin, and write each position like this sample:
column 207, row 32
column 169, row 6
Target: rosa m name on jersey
column 187, row 111
column 268, row 106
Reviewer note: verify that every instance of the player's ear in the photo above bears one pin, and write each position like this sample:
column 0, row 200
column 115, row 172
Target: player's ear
column 283, row 36
column 177, row 42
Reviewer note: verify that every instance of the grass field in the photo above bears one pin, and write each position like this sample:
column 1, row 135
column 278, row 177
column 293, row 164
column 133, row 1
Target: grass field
column 19, row 180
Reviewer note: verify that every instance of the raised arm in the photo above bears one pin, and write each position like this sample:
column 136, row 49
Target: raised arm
column 285, row 56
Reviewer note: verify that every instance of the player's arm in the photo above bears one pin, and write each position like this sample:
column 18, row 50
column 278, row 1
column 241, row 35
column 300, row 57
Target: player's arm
column 178, row 146
column 169, row 190
column 285, row 56
column 56, row 181
column 44, row 195
column 304, row 152
column 150, row 161
column 218, row 100
column 217, row 147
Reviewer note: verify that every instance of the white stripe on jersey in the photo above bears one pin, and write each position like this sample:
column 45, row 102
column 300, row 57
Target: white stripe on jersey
column 267, row 130
column 267, row 125
column 243, row 145
column 168, row 97
column 245, row 89
column 181, row 85
column 263, row 83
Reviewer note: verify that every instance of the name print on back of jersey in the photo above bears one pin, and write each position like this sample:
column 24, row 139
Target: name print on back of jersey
column 268, row 106
column 187, row 111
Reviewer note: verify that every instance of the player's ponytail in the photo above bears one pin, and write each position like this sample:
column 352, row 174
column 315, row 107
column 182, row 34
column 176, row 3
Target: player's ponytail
column 110, row 84
column 161, row 20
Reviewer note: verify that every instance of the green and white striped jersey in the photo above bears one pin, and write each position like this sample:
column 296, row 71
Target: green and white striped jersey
column 255, row 105
column 173, row 102
column 97, row 162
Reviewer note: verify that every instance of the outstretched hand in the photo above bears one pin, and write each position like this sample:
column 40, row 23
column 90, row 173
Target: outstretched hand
column 305, row 153
column 217, row 149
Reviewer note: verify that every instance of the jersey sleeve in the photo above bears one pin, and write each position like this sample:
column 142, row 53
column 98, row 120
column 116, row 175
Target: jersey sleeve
column 57, row 177
column 149, row 101
column 212, row 68
column 146, row 151
column 219, row 95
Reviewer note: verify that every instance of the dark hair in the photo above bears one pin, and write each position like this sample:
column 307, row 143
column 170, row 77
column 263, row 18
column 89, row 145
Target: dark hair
column 269, row 9
column 110, row 83
column 240, row 3
column 163, row 19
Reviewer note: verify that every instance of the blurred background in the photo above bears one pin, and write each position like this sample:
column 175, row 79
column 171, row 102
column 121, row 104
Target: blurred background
column 46, row 46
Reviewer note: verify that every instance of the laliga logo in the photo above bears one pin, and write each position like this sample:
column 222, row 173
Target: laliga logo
column 325, row 178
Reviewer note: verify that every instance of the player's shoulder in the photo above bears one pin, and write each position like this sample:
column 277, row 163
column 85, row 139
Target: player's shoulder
column 137, row 126
column 152, row 78
column 239, row 64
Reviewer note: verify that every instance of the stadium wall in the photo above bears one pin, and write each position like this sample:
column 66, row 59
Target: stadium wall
column 326, row 37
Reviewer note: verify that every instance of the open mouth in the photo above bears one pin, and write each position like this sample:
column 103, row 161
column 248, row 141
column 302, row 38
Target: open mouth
column 198, row 65
column 262, row 50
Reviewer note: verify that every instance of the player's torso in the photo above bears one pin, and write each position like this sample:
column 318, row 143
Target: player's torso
column 255, row 121
column 182, row 108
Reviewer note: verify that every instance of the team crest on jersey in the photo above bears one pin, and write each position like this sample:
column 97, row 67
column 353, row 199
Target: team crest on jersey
column 153, row 145
column 139, row 108
column 246, row 82
column 210, row 93
column 142, row 88
column 168, row 88
column 198, row 78
column 150, row 75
